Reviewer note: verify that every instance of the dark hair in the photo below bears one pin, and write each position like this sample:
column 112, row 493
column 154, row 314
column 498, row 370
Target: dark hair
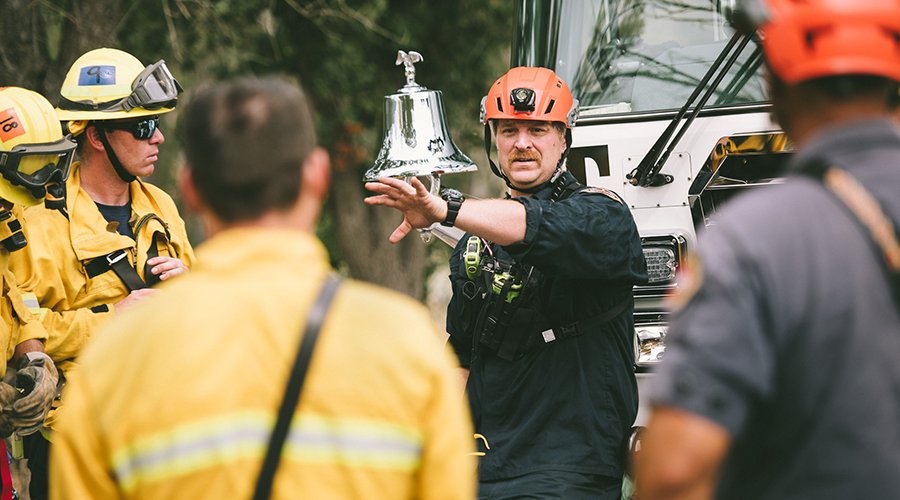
column 842, row 88
column 245, row 142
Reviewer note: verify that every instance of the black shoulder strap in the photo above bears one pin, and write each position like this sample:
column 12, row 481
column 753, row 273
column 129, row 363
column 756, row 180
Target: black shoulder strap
column 294, row 387
column 565, row 186
column 867, row 211
column 118, row 262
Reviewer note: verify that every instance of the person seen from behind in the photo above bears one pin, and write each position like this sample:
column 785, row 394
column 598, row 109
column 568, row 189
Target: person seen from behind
column 781, row 376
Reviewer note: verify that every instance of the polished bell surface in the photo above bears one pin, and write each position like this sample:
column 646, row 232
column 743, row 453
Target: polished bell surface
column 416, row 140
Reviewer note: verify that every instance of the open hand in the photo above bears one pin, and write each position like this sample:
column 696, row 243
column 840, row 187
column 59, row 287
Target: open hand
column 420, row 208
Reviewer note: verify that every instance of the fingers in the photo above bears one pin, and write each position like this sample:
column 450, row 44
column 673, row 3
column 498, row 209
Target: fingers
column 8, row 394
column 392, row 193
column 420, row 188
column 382, row 200
column 411, row 198
column 165, row 272
column 166, row 267
column 395, row 188
column 27, row 430
column 402, row 230
column 384, row 183
column 27, row 413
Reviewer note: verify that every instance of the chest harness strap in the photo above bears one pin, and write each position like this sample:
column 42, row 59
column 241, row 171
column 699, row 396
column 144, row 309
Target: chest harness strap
column 117, row 261
column 867, row 211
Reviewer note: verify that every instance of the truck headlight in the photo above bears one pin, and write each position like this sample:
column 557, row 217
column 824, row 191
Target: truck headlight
column 650, row 344
column 663, row 255
column 660, row 264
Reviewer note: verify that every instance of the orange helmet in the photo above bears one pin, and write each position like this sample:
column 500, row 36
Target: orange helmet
column 529, row 93
column 526, row 93
column 811, row 39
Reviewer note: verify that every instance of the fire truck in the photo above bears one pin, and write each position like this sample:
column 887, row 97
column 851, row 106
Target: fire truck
column 672, row 116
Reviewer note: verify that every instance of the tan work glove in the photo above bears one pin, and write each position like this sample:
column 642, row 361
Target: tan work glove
column 8, row 395
column 38, row 380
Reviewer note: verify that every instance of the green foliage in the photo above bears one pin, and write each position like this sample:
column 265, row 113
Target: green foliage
column 342, row 51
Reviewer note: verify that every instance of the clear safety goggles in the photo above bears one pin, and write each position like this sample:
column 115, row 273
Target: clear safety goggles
column 54, row 171
column 154, row 88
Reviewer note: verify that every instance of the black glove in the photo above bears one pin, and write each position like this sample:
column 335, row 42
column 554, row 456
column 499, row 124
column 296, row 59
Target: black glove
column 38, row 379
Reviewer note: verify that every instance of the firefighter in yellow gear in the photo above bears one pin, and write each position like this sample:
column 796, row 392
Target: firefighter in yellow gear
column 178, row 399
column 112, row 235
column 35, row 159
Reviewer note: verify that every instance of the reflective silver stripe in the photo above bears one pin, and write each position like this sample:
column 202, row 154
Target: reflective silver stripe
column 223, row 440
column 31, row 302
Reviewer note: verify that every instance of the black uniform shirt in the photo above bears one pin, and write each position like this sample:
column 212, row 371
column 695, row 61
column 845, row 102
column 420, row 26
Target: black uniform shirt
column 568, row 404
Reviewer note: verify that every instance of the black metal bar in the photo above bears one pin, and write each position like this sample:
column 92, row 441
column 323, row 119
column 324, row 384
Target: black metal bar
column 740, row 79
column 639, row 174
column 536, row 34
column 703, row 100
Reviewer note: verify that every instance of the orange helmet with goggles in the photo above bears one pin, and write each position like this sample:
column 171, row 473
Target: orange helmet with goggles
column 527, row 93
column 822, row 38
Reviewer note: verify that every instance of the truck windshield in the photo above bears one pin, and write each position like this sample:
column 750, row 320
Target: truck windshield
column 622, row 56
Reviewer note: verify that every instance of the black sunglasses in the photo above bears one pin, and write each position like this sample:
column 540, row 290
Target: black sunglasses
column 141, row 129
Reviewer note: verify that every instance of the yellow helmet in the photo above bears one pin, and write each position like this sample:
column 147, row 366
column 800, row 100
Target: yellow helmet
column 33, row 151
column 109, row 84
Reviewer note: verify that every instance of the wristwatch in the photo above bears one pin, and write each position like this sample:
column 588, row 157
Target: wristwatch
column 454, row 200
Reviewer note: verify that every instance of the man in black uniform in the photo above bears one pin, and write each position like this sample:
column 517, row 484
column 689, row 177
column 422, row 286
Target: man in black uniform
column 541, row 314
column 781, row 378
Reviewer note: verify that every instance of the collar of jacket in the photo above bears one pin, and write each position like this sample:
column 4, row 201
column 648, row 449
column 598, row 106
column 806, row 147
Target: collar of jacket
column 256, row 247
column 835, row 142
column 547, row 192
column 87, row 227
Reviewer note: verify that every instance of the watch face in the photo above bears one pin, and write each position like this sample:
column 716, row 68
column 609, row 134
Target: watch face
column 451, row 194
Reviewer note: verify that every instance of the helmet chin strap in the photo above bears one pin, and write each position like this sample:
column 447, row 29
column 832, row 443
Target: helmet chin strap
column 499, row 173
column 113, row 159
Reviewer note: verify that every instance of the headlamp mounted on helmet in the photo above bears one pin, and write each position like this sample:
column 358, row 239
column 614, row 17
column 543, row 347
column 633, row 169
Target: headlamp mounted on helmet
column 522, row 100
column 154, row 88
column 52, row 172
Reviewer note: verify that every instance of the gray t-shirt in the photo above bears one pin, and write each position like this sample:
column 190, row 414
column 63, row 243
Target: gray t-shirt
column 792, row 341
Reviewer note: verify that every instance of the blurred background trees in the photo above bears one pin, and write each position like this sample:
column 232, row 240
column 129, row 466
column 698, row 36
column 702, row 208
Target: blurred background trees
column 342, row 51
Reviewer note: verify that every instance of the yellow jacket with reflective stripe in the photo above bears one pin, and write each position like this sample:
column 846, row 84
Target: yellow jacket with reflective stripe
column 60, row 248
column 177, row 398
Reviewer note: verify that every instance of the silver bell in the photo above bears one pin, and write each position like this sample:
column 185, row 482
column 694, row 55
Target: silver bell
column 416, row 141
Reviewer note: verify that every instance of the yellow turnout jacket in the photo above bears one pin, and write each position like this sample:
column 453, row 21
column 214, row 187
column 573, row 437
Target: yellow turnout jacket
column 177, row 398
column 62, row 250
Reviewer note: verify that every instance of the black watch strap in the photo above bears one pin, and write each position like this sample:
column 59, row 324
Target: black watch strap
column 453, row 204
